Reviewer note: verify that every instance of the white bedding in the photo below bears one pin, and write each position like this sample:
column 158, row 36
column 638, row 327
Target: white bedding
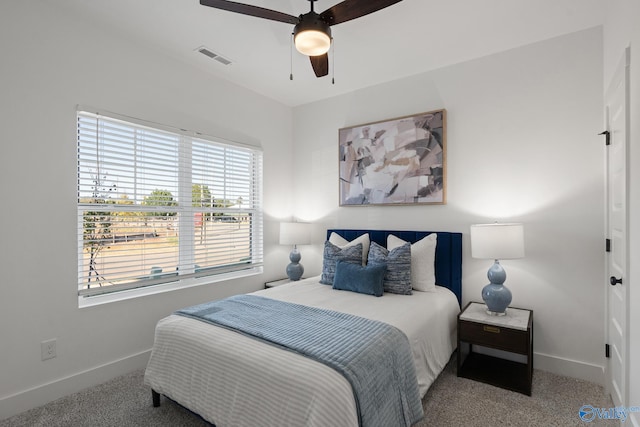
column 233, row 380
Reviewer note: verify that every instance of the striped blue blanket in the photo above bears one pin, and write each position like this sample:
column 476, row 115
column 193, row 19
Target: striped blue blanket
column 373, row 356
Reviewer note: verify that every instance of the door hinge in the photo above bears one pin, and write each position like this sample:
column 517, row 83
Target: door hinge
column 607, row 135
column 607, row 353
column 607, row 245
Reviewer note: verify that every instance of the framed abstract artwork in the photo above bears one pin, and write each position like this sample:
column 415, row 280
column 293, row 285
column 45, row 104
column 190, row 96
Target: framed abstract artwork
column 394, row 162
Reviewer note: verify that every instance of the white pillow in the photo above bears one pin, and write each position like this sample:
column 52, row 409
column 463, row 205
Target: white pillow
column 340, row 242
column 423, row 259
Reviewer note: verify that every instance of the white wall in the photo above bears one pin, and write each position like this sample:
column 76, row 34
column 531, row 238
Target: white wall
column 521, row 146
column 621, row 30
column 51, row 62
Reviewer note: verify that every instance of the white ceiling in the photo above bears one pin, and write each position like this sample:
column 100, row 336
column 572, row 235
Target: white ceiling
column 407, row 38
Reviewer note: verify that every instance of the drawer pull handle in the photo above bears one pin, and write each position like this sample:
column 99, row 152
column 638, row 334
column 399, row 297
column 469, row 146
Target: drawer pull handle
column 491, row 329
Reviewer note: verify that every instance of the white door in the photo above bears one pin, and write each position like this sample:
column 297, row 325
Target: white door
column 617, row 110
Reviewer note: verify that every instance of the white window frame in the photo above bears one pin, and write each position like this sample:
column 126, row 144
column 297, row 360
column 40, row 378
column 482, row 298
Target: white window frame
column 186, row 278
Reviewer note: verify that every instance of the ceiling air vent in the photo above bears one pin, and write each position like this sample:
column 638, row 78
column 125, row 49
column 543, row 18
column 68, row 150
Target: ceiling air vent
column 211, row 54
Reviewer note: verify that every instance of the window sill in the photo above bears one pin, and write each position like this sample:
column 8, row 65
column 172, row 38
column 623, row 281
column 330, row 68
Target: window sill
column 90, row 301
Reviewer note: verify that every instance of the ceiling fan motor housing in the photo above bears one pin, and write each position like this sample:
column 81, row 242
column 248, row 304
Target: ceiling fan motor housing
column 312, row 35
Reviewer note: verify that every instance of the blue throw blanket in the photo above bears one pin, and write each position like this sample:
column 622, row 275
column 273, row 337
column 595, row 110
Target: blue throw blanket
column 373, row 356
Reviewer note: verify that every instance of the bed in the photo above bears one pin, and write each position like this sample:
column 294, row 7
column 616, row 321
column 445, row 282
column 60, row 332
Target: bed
column 231, row 379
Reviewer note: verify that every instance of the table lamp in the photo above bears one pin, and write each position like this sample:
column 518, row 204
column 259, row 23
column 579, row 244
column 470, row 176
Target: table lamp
column 295, row 233
column 497, row 241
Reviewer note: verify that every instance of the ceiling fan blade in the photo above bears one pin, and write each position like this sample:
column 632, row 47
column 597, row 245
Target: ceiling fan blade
column 320, row 65
column 247, row 9
column 352, row 9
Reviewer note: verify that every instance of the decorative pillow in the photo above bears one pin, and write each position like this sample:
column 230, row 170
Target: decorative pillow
column 341, row 242
column 358, row 278
column 397, row 278
column 423, row 259
column 333, row 254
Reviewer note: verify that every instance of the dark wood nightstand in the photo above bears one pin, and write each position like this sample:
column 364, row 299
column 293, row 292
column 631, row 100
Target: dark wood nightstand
column 512, row 333
column 277, row 282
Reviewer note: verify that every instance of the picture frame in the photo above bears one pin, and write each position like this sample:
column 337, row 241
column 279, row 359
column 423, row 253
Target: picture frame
column 401, row 161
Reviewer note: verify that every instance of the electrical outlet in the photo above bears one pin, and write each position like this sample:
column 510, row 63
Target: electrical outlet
column 48, row 349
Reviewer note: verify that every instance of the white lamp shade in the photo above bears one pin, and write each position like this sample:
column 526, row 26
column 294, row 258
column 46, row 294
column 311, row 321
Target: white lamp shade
column 497, row 241
column 295, row 233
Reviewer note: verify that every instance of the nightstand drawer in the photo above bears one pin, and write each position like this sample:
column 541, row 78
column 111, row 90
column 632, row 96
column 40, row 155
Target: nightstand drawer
column 498, row 337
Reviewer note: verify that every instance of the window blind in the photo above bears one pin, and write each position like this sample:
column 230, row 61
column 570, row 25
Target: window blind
column 156, row 206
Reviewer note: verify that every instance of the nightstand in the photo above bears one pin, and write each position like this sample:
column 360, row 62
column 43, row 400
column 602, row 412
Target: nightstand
column 512, row 333
column 278, row 282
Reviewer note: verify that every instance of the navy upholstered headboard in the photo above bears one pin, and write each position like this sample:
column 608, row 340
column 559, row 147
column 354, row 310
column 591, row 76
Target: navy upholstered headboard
column 448, row 252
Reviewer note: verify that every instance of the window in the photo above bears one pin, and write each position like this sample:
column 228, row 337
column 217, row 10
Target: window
column 158, row 206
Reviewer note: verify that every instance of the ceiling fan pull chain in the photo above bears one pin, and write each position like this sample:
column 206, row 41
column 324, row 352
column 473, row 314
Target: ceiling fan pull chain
column 333, row 62
column 291, row 57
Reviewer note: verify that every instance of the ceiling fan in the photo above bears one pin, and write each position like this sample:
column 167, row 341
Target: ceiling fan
column 312, row 32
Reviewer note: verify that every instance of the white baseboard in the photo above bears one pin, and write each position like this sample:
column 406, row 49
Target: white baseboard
column 45, row 393
column 569, row 368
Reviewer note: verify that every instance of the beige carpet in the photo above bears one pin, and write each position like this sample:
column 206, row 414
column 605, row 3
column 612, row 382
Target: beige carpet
column 555, row 401
column 451, row 401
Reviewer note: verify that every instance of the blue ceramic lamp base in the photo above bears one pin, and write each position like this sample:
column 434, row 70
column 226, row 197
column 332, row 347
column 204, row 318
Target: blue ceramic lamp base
column 295, row 269
column 496, row 296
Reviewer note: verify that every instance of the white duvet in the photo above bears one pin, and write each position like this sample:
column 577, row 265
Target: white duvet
column 235, row 381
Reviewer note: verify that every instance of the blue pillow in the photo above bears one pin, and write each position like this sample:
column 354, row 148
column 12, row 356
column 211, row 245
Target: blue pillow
column 358, row 278
column 397, row 279
column 333, row 254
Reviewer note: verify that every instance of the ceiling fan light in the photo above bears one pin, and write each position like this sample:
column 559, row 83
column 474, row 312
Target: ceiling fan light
column 312, row 42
